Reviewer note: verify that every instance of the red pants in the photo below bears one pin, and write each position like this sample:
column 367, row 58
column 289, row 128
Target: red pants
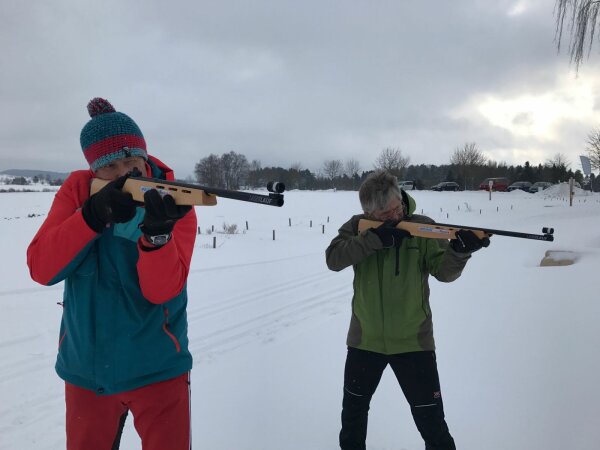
column 161, row 416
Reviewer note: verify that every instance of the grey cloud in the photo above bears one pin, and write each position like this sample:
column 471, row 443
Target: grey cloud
column 278, row 81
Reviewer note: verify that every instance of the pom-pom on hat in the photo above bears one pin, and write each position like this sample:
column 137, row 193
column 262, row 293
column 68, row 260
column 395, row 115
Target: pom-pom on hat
column 110, row 135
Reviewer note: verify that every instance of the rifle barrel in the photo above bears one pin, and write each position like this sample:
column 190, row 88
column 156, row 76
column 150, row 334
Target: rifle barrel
column 540, row 237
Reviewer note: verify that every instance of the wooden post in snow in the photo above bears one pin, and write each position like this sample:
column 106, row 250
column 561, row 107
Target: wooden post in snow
column 571, row 190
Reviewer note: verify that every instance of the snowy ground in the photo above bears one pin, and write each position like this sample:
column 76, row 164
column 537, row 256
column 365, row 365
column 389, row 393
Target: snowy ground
column 516, row 342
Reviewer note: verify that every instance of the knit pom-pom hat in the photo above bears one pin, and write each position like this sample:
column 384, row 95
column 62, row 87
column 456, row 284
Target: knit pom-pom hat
column 110, row 135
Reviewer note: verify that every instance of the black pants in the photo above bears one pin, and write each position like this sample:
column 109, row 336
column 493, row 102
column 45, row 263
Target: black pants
column 418, row 377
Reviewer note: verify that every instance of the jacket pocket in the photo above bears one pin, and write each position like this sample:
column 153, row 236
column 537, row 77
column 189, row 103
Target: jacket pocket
column 61, row 339
column 167, row 331
column 63, row 329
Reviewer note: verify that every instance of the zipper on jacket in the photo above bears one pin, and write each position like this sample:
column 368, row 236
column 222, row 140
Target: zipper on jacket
column 165, row 328
column 424, row 307
column 380, row 268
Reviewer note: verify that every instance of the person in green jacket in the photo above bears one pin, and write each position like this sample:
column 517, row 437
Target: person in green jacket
column 391, row 316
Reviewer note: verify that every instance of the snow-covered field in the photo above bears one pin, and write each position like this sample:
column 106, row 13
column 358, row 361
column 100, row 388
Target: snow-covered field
column 517, row 343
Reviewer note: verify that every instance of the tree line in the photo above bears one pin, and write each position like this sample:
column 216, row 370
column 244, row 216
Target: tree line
column 25, row 181
column 467, row 166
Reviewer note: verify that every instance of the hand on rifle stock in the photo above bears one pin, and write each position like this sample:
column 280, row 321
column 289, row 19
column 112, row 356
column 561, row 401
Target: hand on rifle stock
column 389, row 235
column 467, row 242
column 161, row 213
column 109, row 205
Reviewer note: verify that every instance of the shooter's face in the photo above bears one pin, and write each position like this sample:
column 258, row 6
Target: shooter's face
column 121, row 167
column 394, row 210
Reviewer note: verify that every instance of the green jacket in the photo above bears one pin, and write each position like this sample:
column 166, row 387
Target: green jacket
column 391, row 312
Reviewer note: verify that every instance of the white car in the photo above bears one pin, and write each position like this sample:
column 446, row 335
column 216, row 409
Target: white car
column 407, row 185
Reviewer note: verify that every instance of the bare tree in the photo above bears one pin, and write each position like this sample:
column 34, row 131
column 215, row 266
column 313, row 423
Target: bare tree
column 234, row 167
column 593, row 148
column 468, row 155
column 391, row 160
column 352, row 167
column 468, row 160
column 228, row 171
column 208, row 171
column 558, row 160
column 582, row 25
column 332, row 168
column 557, row 168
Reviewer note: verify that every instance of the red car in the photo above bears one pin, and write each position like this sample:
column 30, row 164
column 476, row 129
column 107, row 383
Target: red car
column 499, row 184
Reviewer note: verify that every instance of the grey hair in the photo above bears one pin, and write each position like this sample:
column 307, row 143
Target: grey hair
column 378, row 189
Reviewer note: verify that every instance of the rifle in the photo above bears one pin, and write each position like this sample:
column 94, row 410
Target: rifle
column 193, row 194
column 448, row 231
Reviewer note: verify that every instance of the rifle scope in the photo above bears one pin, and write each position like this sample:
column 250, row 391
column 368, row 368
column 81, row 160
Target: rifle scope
column 275, row 186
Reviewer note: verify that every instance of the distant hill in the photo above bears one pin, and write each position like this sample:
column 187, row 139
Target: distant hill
column 32, row 173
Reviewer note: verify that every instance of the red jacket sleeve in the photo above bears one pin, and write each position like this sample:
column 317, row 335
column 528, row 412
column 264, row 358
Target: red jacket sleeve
column 163, row 273
column 64, row 233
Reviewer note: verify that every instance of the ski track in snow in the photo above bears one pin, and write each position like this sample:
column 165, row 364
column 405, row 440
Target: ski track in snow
column 32, row 419
column 23, row 365
column 266, row 324
column 257, row 315
column 253, row 263
column 37, row 290
column 260, row 294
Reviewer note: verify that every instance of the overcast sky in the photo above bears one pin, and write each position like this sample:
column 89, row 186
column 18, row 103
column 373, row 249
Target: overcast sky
column 289, row 82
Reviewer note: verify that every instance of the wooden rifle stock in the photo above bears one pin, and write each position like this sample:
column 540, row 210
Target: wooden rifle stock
column 448, row 231
column 190, row 194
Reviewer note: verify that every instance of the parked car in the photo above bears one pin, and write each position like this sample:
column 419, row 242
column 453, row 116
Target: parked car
column 446, row 186
column 407, row 185
column 499, row 184
column 539, row 186
column 523, row 185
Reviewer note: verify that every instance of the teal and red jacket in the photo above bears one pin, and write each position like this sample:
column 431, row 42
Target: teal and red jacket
column 124, row 321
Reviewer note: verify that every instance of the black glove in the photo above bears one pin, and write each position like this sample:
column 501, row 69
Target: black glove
column 467, row 242
column 389, row 235
column 109, row 205
column 161, row 213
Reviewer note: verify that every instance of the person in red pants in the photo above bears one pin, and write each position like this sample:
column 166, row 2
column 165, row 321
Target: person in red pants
column 123, row 344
